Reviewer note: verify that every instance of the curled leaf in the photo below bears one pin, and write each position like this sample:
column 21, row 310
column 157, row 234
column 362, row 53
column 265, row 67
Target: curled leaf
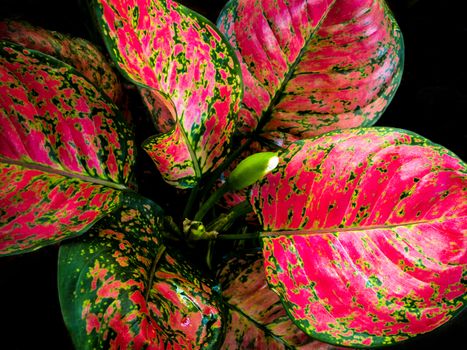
column 310, row 67
column 189, row 77
column 65, row 155
column 120, row 288
column 365, row 235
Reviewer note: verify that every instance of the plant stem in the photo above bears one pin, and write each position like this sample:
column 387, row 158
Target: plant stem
column 191, row 201
column 170, row 230
column 225, row 164
column 223, row 222
column 210, row 253
column 211, row 180
column 211, row 201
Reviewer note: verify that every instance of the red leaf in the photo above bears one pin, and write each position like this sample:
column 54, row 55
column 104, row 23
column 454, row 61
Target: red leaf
column 365, row 235
column 310, row 67
column 256, row 318
column 77, row 52
column 188, row 75
column 65, row 154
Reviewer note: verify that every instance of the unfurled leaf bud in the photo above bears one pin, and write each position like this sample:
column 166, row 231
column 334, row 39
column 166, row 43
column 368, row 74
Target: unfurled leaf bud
column 251, row 169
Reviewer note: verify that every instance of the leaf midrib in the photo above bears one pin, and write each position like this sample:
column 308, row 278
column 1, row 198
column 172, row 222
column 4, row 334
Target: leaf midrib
column 70, row 175
column 266, row 115
column 331, row 230
column 152, row 272
column 261, row 326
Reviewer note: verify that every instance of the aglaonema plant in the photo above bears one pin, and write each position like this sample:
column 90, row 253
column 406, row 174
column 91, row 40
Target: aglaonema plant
column 356, row 234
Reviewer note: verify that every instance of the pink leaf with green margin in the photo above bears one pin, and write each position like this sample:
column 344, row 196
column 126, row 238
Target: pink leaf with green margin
column 77, row 52
column 120, row 289
column 365, row 235
column 65, row 154
column 189, row 75
column 314, row 66
column 256, row 318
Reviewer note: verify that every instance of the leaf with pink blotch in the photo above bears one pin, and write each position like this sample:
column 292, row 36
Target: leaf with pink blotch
column 313, row 66
column 120, row 288
column 66, row 155
column 188, row 76
column 256, row 318
column 77, row 52
column 365, row 235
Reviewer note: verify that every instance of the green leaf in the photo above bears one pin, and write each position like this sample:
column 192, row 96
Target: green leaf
column 65, row 156
column 120, row 288
column 189, row 79
column 365, row 235
column 310, row 67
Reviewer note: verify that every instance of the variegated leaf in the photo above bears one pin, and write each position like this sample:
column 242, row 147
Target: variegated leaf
column 256, row 318
column 65, row 153
column 120, row 289
column 366, row 235
column 77, row 52
column 312, row 66
column 189, row 78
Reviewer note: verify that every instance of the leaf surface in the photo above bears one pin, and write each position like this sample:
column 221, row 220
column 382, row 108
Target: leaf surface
column 119, row 288
column 313, row 66
column 256, row 317
column 65, row 153
column 189, row 79
column 365, row 235
column 77, row 52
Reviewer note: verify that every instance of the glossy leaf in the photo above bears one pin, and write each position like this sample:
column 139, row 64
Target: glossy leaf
column 189, row 79
column 65, row 154
column 119, row 288
column 365, row 235
column 77, row 52
column 310, row 67
column 256, row 318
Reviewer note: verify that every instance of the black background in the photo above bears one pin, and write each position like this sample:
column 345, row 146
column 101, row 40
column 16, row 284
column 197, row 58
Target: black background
column 431, row 101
